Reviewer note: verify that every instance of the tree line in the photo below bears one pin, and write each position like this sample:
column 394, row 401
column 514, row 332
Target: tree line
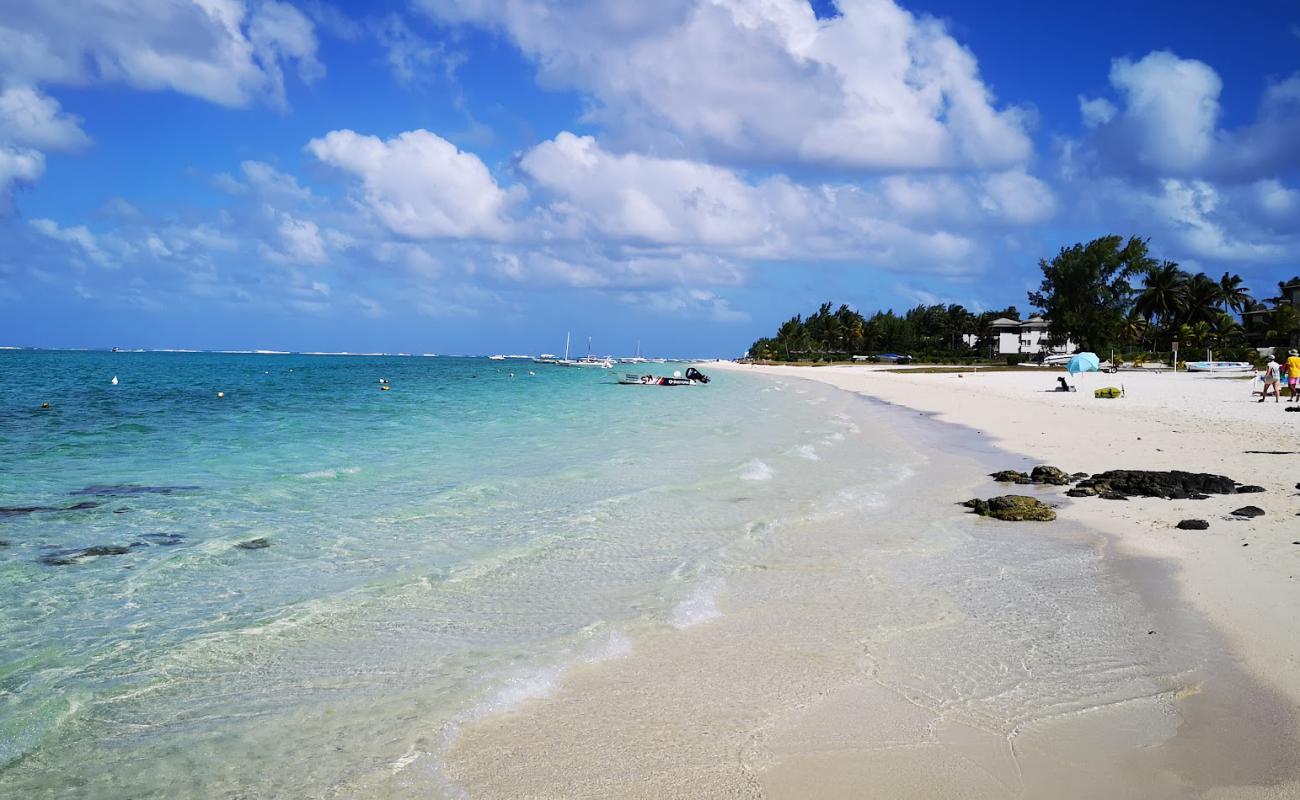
column 1103, row 295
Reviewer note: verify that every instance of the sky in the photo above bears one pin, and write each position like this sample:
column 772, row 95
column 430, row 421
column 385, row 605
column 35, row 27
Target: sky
column 481, row 176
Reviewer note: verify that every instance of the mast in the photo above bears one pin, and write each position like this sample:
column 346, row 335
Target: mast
column 566, row 345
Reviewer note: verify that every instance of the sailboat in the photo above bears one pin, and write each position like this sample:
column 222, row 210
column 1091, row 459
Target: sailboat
column 636, row 359
column 586, row 361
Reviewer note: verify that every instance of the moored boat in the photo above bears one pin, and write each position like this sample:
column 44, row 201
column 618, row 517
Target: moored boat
column 692, row 377
column 1220, row 366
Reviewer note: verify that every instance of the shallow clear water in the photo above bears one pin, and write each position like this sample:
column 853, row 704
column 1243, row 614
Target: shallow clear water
column 437, row 552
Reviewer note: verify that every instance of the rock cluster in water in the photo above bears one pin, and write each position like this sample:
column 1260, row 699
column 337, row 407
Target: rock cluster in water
column 254, row 544
column 1012, row 508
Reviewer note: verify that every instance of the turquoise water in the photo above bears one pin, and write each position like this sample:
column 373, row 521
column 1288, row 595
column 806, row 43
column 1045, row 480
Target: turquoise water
column 436, row 552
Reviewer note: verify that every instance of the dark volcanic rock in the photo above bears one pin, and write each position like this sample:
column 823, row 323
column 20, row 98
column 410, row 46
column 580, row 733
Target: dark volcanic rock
column 1113, row 496
column 1049, row 475
column 1249, row 489
column 128, row 489
column 1248, row 511
column 1084, row 492
column 1078, row 476
column 1012, row 508
column 254, row 544
column 1192, row 525
column 1173, row 484
column 1009, row 476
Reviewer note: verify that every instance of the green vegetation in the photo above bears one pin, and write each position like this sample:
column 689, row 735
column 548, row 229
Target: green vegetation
column 927, row 332
column 1108, row 294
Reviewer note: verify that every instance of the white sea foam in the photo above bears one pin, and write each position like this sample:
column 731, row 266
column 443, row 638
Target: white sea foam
column 808, row 452
column 756, row 470
column 701, row 606
column 834, row 437
column 322, row 474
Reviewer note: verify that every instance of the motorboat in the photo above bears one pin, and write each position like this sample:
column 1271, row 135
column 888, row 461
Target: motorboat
column 692, row 377
column 1220, row 366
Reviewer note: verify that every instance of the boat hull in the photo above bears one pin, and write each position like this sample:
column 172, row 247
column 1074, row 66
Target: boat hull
column 1220, row 366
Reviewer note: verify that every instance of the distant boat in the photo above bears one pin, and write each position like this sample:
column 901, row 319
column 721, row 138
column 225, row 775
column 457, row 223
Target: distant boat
column 1220, row 366
column 586, row 361
column 496, row 358
column 636, row 359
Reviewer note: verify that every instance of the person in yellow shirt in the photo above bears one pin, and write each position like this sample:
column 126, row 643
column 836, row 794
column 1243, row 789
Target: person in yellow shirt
column 1293, row 374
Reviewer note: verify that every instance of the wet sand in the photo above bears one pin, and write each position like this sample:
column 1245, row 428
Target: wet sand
column 910, row 650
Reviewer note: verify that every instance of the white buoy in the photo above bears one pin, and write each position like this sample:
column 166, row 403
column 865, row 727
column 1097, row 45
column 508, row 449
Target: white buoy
column 114, row 381
column 221, row 394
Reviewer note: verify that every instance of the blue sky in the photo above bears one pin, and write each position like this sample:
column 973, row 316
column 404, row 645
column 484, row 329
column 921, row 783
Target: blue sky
column 470, row 176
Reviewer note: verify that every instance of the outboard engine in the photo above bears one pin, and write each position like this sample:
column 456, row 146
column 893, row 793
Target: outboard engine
column 695, row 375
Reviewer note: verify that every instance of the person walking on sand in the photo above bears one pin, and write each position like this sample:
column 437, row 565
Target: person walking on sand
column 1293, row 373
column 1272, row 378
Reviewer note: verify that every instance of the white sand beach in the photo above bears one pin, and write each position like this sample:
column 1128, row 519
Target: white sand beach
column 925, row 654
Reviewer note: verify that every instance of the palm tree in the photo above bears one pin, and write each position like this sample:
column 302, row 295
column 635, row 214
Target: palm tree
column 1234, row 296
column 1135, row 330
column 1283, row 324
column 1204, row 297
column 1164, row 294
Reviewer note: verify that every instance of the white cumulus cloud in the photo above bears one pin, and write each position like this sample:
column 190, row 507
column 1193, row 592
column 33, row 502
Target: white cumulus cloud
column 32, row 119
column 419, row 184
column 875, row 87
column 218, row 50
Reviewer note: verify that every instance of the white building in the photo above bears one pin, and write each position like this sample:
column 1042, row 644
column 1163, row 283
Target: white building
column 1025, row 338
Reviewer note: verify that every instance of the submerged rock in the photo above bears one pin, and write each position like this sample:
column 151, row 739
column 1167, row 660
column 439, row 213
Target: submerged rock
column 1192, row 525
column 83, row 505
column 106, row 550
column 1171, row 484
column 13, row 511
column 163, row 539
column 254, row 544
column 128, row 489
column 4, row 543
column 1248, row 511
column 66, row 557
column 1012, row 508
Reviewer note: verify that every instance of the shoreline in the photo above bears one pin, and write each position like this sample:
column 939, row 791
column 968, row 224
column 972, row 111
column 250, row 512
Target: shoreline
column 813, row 741
column 1240, row 576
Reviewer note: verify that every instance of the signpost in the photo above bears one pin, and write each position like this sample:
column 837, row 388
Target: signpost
column 1175, row 355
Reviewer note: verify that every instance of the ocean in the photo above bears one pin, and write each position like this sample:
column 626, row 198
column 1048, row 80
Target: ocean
column 314, row 587
column 437, row 551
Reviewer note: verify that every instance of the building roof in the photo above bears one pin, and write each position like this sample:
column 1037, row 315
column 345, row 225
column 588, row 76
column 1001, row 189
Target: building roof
column 1003, row 322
